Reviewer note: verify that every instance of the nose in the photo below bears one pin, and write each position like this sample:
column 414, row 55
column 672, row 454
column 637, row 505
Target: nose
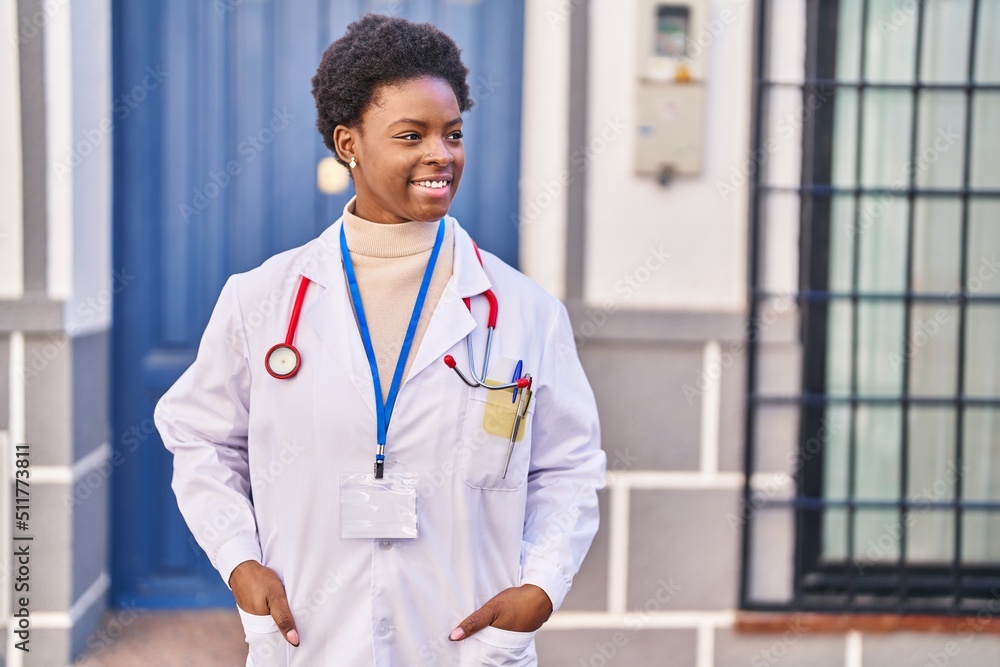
column 438, row 153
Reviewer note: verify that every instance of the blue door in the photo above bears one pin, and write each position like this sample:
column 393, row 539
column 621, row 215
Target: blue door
column 215, row 170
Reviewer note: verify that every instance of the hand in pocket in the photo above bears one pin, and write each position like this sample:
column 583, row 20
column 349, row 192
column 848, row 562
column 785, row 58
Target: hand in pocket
column 518, row 609
column 258, row 590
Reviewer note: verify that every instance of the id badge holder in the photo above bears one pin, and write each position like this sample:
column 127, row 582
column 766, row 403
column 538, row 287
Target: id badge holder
column 378, row 508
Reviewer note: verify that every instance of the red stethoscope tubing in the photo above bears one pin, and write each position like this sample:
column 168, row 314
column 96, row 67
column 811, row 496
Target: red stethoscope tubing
column 293, row 324
column 491, row 324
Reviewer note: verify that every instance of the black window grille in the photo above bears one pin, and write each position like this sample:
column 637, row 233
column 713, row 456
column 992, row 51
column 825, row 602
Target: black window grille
column 893, row 499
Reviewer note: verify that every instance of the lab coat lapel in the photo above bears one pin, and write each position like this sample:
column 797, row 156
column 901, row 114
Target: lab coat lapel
column 451, row 321
column 331, row 315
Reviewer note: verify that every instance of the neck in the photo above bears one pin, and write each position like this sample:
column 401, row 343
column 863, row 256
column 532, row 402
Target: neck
column 375, row 213
column 372, row 239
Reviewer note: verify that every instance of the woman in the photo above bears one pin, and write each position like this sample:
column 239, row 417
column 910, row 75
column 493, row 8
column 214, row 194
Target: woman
column 365, row 503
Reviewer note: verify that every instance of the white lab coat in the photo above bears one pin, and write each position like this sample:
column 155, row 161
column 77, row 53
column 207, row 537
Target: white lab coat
column 257, row 463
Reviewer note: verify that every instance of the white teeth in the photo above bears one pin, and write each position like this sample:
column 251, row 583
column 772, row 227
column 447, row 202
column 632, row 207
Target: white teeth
column 432, row 184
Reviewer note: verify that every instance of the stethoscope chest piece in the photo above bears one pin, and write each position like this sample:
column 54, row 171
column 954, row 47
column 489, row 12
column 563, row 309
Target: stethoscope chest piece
column 282, row 361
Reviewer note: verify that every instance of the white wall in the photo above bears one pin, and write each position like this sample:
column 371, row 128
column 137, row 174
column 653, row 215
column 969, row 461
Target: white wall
column 544, row 141
column 79, row 179
column 11, row 177
column 89, row 307
column 58, row 139
column 704, row 231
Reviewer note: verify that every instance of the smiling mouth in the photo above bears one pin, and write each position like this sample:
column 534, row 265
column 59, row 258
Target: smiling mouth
column 432, row 185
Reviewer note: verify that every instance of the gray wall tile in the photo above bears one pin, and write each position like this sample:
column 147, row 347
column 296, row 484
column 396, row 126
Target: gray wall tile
column 32, row 314
column 793, row 648
column 49, row 648
column 684, row 537
column 771, row 558
column 89, row 506
column 779, row 369
column 91, row 411
column 732, row 424
column 776, row 435
column 967, row 649
column 646, row 422
column 51, row 557
column 626, row 325
column 48, row 361
column 631, row 647
column 590, row 587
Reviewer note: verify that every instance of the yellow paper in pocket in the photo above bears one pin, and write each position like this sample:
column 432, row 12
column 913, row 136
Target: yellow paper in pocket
column 499, row 414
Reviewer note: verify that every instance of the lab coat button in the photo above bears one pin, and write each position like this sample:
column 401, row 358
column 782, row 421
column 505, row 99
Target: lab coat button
column 382, row 630
column 385, row 544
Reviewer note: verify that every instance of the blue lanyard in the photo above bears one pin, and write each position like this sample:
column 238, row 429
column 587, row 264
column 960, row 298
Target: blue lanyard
column 383, row 409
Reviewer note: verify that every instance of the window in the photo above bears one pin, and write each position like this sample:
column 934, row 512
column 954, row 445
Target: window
column 873, row 421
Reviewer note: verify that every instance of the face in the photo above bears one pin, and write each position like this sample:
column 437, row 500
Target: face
column 409, row 152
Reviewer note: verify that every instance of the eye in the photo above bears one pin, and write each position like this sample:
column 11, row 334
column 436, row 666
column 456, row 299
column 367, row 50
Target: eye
column 456, row 135
column 409, row 136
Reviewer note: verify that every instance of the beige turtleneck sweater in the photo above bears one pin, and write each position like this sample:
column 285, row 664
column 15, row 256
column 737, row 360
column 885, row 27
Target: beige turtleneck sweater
column 389, row 262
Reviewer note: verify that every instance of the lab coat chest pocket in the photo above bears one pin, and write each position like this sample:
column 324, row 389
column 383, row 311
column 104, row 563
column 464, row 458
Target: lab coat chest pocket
column 483, row 451
column 267, row 647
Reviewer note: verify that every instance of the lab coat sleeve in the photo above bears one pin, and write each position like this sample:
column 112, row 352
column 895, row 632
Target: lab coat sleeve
column 203, row 421
column 567, row 468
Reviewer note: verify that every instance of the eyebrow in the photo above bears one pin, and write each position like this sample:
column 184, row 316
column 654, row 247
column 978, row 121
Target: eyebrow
column 420, row 123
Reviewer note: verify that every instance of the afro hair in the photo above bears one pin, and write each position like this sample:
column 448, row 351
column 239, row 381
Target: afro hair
column 375, row 51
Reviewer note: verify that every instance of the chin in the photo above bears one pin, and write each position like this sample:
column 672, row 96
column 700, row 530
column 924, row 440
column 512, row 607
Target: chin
column 431, row 213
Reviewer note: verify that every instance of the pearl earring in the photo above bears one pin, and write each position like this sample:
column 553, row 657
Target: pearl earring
column 353, row 163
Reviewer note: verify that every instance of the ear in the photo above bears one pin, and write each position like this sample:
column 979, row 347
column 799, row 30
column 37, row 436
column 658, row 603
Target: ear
column 344, row 141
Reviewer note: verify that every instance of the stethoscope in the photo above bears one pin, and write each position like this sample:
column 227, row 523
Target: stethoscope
column 283, row 360
column 491, row 324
